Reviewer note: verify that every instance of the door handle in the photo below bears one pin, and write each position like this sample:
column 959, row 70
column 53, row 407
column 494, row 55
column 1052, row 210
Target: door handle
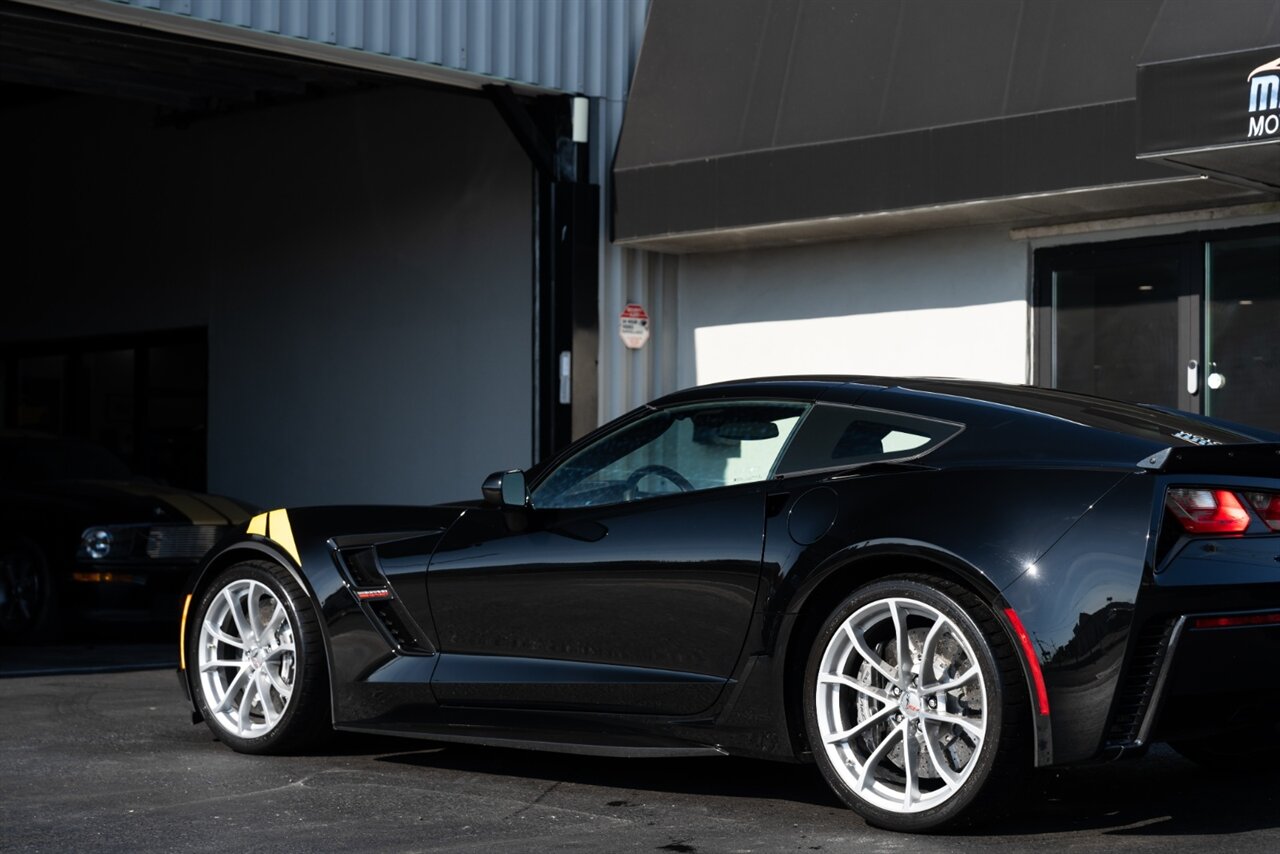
column 1193, row 377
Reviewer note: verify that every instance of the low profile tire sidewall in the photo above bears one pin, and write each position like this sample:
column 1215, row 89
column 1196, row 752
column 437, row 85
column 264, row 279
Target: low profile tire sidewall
column 43, row 622
column 951, row 809
column 304, row 649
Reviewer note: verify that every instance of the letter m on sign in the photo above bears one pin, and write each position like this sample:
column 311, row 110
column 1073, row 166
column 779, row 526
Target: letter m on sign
column 1264, row 93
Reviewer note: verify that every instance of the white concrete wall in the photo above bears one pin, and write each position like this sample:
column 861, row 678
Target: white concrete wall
column 362, row 263
column 947, row 303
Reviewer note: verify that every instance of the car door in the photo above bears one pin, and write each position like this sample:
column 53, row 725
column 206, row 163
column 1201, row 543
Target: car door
column 629, row 581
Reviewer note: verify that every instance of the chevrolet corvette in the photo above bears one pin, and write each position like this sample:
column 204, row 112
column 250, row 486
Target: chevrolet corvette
column 927, row 588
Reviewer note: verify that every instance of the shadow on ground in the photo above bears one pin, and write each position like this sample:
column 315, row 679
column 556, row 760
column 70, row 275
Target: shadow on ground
column 1158, row 795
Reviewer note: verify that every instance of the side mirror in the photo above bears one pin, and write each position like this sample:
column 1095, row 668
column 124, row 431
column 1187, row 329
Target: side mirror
column 505, row 489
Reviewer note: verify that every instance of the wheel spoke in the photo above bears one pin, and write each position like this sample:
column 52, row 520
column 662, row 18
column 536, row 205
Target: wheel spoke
column 849, row 682
column 976, row 731
column 233, row 606
column 264, row 694
column 878, row 717
column 901, row 645
column 229, row 696
column 939, row 761
column 877, row 756
column 216, row 663
column 246, row 705
column 252, row 611
column 958, row 682
column 860, row 644
column 928, row 649
column 277, row 651
column 910, row 756
column 277, row 617
column 221, row 636
column 279, row 684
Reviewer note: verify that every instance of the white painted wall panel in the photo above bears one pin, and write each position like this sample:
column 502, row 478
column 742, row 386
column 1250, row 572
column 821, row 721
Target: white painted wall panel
column 950, row 303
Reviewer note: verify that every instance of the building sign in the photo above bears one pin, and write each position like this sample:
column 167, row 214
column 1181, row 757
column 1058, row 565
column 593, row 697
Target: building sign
column 634, row 326
column 1217, row 114
column 1264, row 100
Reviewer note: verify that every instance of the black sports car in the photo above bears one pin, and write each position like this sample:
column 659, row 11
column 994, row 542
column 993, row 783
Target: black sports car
column 927, row 587
column 84, row 539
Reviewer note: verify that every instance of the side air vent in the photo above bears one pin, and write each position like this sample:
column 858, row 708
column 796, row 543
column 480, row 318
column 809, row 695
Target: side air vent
column 372, row 590
column 1137, row 688
column 361, row 565
column 399, row 627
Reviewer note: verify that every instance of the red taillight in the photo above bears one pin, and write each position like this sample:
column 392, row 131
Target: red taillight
column 1268, row 506
column 1236, row 621
column 1208, row 511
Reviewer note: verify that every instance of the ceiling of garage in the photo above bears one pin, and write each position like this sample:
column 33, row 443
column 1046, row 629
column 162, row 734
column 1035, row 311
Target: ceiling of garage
column 45, row 54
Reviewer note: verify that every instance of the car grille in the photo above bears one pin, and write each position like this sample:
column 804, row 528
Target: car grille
column 1135, row 693
column 181, row 542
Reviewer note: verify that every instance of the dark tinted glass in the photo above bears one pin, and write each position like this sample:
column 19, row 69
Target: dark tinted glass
column 833, row 436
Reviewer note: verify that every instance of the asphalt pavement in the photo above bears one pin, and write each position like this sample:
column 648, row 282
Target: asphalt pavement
column 109, row 761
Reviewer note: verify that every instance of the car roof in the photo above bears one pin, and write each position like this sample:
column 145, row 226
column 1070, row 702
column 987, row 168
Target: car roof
column 1128, row 428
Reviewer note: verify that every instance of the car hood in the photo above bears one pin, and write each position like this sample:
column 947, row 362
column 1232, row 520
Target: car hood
column 122, row 502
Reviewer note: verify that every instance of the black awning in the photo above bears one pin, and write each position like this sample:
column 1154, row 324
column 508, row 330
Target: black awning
column 1214, row 114
column 748, row 115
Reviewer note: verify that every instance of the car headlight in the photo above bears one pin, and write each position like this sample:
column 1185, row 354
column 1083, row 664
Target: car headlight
column 96, row 543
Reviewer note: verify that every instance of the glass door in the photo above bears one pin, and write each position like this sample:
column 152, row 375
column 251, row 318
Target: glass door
column 1242, row 330
column 1187, row 321
column 1117, row 320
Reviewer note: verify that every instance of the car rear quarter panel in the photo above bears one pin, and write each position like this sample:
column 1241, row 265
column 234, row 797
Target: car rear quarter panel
column 1077, row 602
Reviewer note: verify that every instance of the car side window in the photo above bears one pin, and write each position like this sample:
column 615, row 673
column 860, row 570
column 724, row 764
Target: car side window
column 834, row 436
column 682, row 449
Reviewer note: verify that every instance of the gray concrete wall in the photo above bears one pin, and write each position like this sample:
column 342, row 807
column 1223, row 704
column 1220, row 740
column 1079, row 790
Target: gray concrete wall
column 362, row 264
column 945, row 303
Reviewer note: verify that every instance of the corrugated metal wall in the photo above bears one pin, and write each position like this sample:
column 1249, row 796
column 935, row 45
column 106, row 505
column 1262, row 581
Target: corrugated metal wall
column 586, row 47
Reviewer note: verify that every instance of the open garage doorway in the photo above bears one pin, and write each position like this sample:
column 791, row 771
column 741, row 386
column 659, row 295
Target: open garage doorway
column 356, row 248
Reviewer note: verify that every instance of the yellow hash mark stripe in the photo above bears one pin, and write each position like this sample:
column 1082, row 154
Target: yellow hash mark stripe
column 258, row 525
column 281, row 531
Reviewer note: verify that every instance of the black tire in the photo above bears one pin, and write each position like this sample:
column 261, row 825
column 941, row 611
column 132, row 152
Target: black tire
column 886, row 771
column 28, row 596
column 305, row 722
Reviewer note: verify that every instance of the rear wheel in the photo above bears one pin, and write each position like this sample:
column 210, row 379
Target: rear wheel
column 914, row 706
column 260, row 679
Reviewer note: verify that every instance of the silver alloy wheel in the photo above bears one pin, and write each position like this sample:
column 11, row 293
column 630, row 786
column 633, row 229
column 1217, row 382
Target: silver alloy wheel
column 247, row 658
column 901, row 705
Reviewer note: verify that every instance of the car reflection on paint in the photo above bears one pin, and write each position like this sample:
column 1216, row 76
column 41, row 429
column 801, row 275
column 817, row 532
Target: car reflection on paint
column 82, row 539
column 924, row 587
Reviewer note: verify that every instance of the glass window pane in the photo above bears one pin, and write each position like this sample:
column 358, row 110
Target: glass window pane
column 1116, row 331
column 1242, row 331
column 834, row 436
column 676, row 450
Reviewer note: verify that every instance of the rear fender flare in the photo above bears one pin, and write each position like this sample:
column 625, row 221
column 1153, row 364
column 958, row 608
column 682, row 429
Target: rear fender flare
column 865, row 561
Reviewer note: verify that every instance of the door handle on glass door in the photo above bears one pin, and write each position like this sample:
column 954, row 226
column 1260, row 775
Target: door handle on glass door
column 1193, row 377
column 1215, row 380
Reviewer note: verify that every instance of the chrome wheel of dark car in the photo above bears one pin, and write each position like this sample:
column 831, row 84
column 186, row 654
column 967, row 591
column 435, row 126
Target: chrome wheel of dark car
column 26, row 590
column 259, row 670
column 905, row 704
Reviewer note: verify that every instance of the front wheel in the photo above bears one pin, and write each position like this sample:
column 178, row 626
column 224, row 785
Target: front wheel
column 913, row 705
column 260, row 679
